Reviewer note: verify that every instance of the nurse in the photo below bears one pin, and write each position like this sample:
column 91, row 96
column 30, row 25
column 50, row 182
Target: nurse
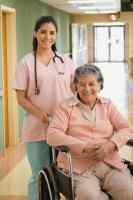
column 43, row 79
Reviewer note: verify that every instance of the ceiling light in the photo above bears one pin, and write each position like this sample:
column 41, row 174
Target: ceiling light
column 114, row 17
column 85, row 7
column 95, row 8
column 92, row 1
column 80, row 1
column 91, row 12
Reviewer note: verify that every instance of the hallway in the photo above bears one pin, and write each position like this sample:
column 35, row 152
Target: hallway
column 14, row 174
column 116, row 84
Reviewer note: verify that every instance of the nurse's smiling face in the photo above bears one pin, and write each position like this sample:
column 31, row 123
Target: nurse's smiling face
column 46, row 35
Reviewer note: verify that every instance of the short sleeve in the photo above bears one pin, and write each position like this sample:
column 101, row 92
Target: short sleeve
column 20, row 81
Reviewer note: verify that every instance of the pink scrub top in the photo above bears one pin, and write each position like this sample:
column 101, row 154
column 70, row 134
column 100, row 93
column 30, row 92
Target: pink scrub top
column 54, row 85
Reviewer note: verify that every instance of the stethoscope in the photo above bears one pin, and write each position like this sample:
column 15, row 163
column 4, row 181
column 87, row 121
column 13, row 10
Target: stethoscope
column 37, row 90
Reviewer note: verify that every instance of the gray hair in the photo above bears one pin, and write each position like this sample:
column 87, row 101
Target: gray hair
column 89, row 69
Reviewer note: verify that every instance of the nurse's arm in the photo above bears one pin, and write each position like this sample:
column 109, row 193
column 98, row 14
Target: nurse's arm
column 29, row 107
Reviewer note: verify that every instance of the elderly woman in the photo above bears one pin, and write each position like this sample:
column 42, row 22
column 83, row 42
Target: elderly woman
column 94, row 130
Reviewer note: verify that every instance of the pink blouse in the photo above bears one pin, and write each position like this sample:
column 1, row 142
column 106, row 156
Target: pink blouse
column 71, row 126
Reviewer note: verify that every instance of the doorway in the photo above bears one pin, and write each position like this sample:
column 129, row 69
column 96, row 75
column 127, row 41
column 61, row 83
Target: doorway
column 109, row 43
column 8, row 108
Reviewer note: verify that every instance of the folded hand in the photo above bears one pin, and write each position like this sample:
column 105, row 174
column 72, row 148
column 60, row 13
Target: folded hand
column 98, row 152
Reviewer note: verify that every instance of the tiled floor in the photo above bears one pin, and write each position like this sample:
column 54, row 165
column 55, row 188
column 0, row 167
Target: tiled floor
column 9, row 158
column 14, row 174
column 14, row 167
column 17, row 179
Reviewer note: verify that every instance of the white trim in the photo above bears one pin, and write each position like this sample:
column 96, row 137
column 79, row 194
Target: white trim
column 1, row 92
column 7, row 9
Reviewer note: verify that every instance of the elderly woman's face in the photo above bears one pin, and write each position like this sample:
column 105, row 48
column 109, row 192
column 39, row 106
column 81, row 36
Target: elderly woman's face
column 88, row 88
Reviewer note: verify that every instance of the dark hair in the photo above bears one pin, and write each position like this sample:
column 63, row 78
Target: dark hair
column 89, row 69
column 38, row 24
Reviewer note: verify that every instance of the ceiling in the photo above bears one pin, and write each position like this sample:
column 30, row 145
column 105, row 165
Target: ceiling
column 85, row 6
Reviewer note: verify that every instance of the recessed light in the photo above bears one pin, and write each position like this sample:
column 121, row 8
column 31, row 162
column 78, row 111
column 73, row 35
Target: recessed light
column 80, row 1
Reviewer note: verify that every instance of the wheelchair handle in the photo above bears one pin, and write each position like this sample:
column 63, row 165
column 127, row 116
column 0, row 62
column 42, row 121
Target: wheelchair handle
column 63, row 148
column 66, row 150
column 130, row 142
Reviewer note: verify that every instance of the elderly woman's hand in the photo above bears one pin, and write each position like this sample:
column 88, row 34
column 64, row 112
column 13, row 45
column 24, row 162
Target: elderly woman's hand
column 100, row 151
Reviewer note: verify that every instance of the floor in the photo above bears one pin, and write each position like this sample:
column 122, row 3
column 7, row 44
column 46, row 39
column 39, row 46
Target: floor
column 14, row 173
column 14, row 167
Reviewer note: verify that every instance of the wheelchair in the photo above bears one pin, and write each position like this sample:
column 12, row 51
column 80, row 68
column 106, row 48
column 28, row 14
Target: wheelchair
column 55, row 182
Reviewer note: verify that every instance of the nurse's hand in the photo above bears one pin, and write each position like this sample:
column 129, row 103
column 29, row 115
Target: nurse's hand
column 45, row 118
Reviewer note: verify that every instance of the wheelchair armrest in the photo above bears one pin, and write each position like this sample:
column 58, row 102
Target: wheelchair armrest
column 63, row 148
column 130, row 142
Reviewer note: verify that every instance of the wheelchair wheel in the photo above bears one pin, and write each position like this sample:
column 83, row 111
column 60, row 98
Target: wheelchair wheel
column 47, row 186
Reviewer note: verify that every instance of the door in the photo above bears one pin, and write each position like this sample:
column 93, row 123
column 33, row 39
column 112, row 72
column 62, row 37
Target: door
column 109, row 43
column 8, row 108
column 101, row 44
column 117, row 43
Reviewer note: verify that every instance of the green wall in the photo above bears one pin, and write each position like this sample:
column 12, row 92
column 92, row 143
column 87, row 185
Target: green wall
column 27, row 12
